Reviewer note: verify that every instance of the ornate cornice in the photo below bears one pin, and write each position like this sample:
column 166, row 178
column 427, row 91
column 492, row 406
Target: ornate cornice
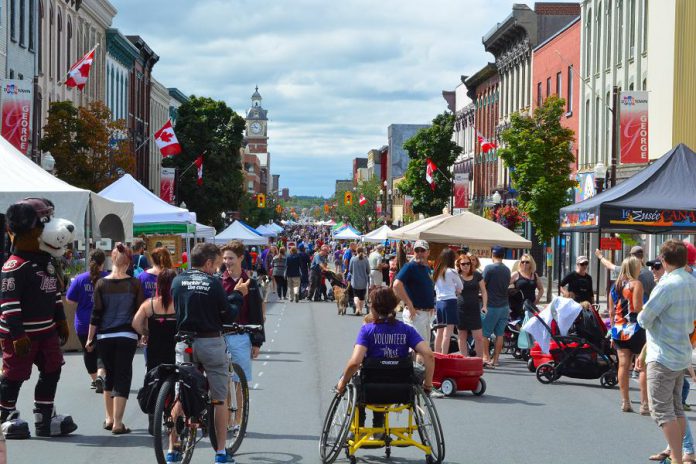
column 513, row 56
column 120, row 48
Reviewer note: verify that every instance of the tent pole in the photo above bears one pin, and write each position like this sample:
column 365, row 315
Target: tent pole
column 599, row 266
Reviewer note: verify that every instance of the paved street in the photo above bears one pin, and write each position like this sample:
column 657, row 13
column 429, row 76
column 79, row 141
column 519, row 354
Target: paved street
column 518, row 420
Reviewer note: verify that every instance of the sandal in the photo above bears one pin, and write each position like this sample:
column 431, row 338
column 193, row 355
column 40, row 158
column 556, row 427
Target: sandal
column 106, row 426
column 661, row 456
column 626, row 406
column 644, row 409
column 122, row 431
column 488, row 365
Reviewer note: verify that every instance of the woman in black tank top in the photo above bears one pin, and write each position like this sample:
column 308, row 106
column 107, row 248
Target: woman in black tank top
column 526, row 280
column 155, row 321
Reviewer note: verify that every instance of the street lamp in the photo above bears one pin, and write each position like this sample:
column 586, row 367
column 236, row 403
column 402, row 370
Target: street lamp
column 496, row 198
column 48, row 162
column 182, row 205
column 600, row 172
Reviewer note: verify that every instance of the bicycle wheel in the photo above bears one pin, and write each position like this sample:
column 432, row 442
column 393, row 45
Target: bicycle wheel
column 336, row 425
column 163, row 423
column 429, row 427
column 238, row 404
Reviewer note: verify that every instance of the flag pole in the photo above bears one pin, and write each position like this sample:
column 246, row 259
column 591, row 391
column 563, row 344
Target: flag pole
column 143, row 144
column 191, row 165
column 62, row 82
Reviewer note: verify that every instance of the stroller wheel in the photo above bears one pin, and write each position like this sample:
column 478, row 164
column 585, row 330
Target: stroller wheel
column 448, row 387
column 530, row 365
column 480, row 387
column 608, row 379
column 517, row 353
column 546, row 373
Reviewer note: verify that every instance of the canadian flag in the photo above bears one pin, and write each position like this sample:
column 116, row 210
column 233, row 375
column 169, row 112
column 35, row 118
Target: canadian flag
column 199, row 168
column 429, row 171
column 486, row 145
column 166, row 140
column 362, row 200
column 79, row 72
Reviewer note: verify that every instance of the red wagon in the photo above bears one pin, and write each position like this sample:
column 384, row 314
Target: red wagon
column 454, row 372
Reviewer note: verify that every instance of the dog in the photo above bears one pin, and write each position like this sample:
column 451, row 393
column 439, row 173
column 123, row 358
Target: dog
column 264, row 282
column 341, row 296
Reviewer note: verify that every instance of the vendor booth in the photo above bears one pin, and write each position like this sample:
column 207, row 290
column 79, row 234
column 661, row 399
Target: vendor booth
column 378, row 235
column 238, row 231
column 21, row 178
column 346, row 233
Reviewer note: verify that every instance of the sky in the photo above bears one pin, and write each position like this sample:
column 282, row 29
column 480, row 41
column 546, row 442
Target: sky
column 333, row 74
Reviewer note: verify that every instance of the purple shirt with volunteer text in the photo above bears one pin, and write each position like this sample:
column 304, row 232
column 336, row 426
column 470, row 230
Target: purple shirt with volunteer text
column 388, row 340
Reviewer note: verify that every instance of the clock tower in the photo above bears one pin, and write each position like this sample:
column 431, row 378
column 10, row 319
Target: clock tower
column 256, row 140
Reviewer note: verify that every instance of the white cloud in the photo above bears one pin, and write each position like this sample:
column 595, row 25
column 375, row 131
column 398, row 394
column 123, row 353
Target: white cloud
column 333, row 75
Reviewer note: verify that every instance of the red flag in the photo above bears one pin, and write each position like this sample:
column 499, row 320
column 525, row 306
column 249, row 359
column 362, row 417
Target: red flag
column 166, row 140
column 79, row 72
column 429, row 171
column 486, row 145
column 199, row 167
column 362, row 200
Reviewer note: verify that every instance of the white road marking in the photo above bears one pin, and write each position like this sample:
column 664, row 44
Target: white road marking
column 260, row 373
column 256, row 385
column 264, row 363
column 272, row 340
column 268, row 356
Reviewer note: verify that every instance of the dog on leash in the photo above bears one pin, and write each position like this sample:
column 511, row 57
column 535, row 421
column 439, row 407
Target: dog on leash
column 264, row 283
column 341, row 296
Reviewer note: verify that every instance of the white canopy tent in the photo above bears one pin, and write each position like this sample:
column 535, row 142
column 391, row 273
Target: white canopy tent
column 274, row 227
column 266, row 231
column 207, row 233
column 347, row 234
column 237, row 231
column 472, row 230
column 21, row 178
column 377, row 235
column 410, row 231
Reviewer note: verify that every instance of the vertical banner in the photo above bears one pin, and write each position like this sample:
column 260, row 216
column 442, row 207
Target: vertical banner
column 16, row 102
column 461, row 190
column 167, row 179
column 633, row 122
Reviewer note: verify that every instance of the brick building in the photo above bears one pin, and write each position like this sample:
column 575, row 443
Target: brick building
column 252, row 173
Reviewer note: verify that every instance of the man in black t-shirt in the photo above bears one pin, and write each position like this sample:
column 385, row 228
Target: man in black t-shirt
column 578, row 284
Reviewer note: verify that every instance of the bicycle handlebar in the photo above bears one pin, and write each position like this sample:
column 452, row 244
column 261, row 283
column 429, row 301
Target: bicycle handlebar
column 235, row 328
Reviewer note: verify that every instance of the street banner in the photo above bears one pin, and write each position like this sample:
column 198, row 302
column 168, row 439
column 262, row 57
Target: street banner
column 633, row 122
column 461, row 190
column 16, row 113
column 167, row 179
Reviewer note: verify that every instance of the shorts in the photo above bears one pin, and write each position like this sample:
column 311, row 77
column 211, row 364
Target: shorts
column 635, row 343
column 210, row 352
column 359, row 293
column 45, row 353
column 420, row 321
column 239, row 349
column 376, row 278
column 447, row 313
column 664, row 393
column 494, row 321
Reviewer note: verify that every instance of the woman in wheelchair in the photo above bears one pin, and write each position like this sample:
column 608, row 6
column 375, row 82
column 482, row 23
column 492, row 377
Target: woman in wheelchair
column 386, row 384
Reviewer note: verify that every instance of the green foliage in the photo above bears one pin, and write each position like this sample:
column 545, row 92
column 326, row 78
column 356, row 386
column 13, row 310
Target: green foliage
column 434, row 142
column 538, row 151
column 90, row 149
column 210, row 126
column 250, row 213
column 358, row 215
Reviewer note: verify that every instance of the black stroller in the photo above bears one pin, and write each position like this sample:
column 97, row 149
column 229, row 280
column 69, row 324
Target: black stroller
column 585, row 353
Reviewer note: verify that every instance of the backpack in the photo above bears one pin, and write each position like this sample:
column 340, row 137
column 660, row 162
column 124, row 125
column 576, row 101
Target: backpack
column 194, row 390
column 147, row 395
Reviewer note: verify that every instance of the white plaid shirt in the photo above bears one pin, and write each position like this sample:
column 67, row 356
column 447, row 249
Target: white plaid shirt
column 668, row 318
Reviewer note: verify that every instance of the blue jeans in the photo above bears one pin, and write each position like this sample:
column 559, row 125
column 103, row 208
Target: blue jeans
column 685, row 389
column 239, row 348
column 688, row 442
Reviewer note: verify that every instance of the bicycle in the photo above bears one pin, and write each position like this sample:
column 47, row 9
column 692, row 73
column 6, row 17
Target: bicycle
column 238, row 393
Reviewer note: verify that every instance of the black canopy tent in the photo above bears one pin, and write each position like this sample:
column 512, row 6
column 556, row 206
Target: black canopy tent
column 661, row 198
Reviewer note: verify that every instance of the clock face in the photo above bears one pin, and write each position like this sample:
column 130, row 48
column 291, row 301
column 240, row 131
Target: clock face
column 255, row 128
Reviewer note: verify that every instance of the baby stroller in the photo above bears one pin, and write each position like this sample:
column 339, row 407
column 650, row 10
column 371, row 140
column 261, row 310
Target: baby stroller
column 571, row 342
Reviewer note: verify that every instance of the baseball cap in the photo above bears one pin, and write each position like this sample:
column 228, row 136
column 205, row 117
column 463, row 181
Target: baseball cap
column 654, row 264
column 497, row 250
column 421, row 244
column 582, row 259
column 637, row 250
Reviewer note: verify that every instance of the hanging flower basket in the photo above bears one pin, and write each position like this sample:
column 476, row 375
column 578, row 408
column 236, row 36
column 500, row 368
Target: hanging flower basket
column 509, row 216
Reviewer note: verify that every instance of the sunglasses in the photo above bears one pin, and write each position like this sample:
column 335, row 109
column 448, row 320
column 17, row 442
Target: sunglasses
column 583, row 264
column 524, row 262
column 420, row 250
column 465, row 264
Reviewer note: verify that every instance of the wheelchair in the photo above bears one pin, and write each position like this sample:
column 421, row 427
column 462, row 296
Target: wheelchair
column 383, row 386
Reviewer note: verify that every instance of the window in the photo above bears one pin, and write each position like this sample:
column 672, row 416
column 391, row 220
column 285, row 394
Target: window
column 22, row 18
column 588, row 139
column 609, row 119
column 20, row 76
column 11, row 73
column 59, row 32
column 13, row 19
column 619, row 34
column 595, row 123
column 598, row 55
column 588, row 42
column 645, row 26
column 548, row 87
column 40, row 38
column 31, row 25
column 68, row 44
column 539, row 97
column 569, row 90
column 632, row 28
column 50, row 40
column 607, row 49
column 645, row 84
column 559, row 76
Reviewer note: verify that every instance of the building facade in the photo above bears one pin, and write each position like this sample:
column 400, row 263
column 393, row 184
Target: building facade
column 256, row 140
column 176, row 99
column 464, row 136
column 511, row 42
column 360, row 173
column 614, row 52
column 252, row 174
column 555, row 65
column 276, row 184
column 159, row 115
column 120, row 59
column 21, row 38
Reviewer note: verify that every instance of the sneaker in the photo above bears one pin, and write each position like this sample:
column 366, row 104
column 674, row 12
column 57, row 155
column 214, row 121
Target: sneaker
column 686, row 407
column 223, row 458
column 93, row 385
column 435, row 393
column 172, row 457
column 99, row 385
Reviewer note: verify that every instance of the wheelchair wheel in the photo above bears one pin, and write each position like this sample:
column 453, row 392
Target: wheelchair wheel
column 429, row 427
column 546, row 373
column 336, row 425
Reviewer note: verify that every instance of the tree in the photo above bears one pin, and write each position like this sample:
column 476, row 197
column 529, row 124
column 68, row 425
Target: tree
column 91, row 150
column 537, row 150
column 434, row 142
column 209, row 127
column 356, row 214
